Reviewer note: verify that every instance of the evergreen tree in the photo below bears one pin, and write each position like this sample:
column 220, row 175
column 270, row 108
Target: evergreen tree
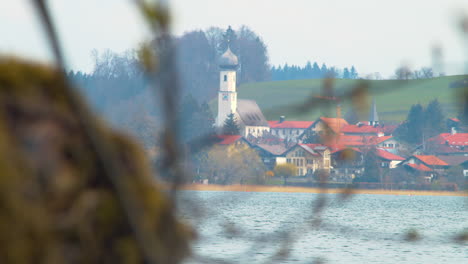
column 230, row 125
column 187, row 120
column 308, row 71
column 346, row 74
column 353, row 73
column 434, row 119
column 372, row 170
column 323, row 71
column 463, row 112
column 351, row 116
column 203, row 124
column 229, row 39
column 316, row 71
column 411, row 131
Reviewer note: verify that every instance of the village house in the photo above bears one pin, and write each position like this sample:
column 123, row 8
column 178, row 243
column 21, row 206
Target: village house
column 361, row 129
column 388, row 143
column 271, row 154
column 452, row 144
column 328, row 126
column 347, row 164
column 388, row 159
column 427, row 166
column 290, row 130
column 308, row 158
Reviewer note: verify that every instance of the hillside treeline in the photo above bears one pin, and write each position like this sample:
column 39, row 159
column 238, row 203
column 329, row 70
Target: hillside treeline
column 311, row 71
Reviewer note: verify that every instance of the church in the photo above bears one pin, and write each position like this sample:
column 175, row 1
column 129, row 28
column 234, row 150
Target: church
column 248, row 115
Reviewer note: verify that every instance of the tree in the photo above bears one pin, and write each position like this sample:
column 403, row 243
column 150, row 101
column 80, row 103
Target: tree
column 353, row 73
column 233, row 164
column 230, row 125
column 229, row 39
column 285, row 170
column 253, row 54
column 316, row 71
column 372, row 170
column 346, row 73
column 434, row 119
column 403, row 73
column 197, row 64
column 411, row 130
column 351, row 116
column 323, row 71
column 427, row 72
column 189, row 108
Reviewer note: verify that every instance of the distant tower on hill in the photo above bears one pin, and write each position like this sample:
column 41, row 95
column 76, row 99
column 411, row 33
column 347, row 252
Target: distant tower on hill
column 227, row 95
column 373, row 116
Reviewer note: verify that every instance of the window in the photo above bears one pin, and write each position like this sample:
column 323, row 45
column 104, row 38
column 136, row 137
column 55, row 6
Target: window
column 288, row 160
column 309, row 161
column 301, row 162
column 225, row 78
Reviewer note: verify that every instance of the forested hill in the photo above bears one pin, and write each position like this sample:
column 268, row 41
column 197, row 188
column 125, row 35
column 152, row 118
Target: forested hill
column 393, row 97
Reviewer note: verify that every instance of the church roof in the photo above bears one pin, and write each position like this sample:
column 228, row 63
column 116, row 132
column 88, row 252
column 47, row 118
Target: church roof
column 290, row 124
column 228, row 59
column 250, row 114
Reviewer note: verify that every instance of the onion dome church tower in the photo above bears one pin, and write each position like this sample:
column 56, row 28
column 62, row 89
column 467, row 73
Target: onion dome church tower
column 227, row 95
column 248, row 114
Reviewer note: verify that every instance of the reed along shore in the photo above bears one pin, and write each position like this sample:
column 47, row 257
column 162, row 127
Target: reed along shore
column 293, row 189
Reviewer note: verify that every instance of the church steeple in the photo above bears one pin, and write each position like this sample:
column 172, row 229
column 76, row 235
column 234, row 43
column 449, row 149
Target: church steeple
column 227, row 95
column 373, row 116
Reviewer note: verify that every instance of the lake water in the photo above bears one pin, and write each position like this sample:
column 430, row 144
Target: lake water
column 240, row 227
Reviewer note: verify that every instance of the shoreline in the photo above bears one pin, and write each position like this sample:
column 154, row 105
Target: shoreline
column 294, row 189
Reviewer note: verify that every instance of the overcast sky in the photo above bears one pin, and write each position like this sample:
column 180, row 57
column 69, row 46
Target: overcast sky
column 373, row 35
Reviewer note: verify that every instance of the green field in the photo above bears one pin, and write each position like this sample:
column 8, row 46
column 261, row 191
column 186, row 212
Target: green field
column 393, row 97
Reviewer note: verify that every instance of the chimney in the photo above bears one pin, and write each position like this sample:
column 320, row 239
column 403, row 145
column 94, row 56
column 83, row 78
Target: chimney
column 453, row 131
column 282, row 118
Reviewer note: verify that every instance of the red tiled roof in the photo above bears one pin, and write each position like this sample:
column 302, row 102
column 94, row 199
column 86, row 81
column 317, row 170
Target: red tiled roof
column 361, row 129
column 338, row 149
column 367, row 129
column 228, row 139
column 290, row 124
column 351, row 140
column 458, row 139
column 431, row 160
column 420, row 167
column 335, row 124
column 387, row 155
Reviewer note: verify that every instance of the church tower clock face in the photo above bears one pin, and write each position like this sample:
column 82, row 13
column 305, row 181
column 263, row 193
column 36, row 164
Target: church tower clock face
column 225, row 97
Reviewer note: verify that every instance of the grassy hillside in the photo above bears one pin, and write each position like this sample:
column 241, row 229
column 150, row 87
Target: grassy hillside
column 393, row 97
